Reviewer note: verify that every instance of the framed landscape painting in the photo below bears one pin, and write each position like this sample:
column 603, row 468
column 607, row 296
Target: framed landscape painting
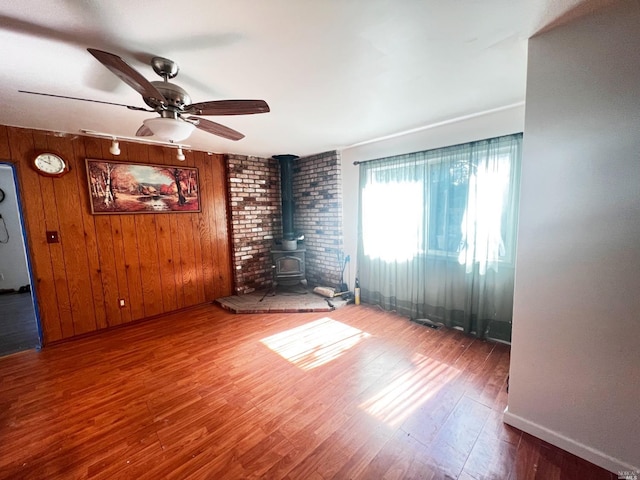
column 120, row 187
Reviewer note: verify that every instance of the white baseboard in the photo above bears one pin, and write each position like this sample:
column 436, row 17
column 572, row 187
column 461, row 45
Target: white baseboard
column 565, row 443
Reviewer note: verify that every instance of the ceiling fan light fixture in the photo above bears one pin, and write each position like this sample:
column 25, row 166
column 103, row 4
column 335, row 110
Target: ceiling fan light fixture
column 170, row 129
column 180, row 154
column 114, row 149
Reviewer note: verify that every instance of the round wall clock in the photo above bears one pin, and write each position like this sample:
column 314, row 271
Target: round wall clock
column 50, row 164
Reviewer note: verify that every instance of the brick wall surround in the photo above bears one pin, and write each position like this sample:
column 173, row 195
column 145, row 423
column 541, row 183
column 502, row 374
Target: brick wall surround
column 256, row 218
column 254, row 204
column 317, row 194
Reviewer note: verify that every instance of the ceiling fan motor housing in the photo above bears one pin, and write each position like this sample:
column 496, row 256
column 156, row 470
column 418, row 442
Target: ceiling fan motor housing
column 176, row 96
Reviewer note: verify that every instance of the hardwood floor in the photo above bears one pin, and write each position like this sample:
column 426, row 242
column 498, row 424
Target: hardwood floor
column 354, row 393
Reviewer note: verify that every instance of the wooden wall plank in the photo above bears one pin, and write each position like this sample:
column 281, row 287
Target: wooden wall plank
column 56, row 251
column 221, row 230
column 146, row 231
column 191, row 161
column 121, row 267
column 187, row 260
column 217, row 266
column 88, row 223
column 204, row 225
column 200, row 281
column 71, row 228
column 166, row 263
column 5, row 149
column 109, row 271
column 177, row 259
column 157, row 155
column 132, row 265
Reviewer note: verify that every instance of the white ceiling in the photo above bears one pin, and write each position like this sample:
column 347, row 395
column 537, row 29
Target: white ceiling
column 334, row 72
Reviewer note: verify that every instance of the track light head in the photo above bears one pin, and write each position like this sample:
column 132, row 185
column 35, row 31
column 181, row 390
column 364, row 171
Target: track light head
column 114, row 149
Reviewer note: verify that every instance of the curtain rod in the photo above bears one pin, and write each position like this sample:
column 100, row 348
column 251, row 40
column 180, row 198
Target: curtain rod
column 358, row 162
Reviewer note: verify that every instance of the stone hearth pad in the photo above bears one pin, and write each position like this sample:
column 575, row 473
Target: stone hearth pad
column 284, row 300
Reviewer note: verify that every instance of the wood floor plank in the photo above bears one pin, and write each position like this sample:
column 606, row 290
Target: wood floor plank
column 491, row 458
column 398, row 458
column 204, row 393
column 457, row 436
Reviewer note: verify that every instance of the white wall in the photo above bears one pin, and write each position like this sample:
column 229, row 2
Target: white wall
column 501, row 121
column 575, row 363
column 13, row 262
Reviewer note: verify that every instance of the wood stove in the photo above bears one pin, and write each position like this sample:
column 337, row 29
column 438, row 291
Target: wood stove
column 289, row 266
column 288, row 259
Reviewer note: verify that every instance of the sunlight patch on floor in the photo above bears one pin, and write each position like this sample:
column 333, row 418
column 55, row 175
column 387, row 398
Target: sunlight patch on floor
column 409, row 390
column 316, row 343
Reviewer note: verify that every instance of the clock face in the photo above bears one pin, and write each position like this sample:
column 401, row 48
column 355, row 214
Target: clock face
column 50, row 164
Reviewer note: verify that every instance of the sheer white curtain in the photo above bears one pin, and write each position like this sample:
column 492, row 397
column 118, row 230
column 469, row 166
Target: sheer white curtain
column 437, row 234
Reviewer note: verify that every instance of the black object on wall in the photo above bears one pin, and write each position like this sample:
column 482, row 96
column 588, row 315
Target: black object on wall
column 286, row 189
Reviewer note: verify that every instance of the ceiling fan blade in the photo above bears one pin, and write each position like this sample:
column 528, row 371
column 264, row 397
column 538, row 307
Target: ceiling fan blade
column 130, row 107
column 129, row 75
column 228, row 107
column 144, row 131
column 217, row 129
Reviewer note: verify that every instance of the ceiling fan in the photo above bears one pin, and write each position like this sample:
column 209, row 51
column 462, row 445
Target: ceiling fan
column 177, row 118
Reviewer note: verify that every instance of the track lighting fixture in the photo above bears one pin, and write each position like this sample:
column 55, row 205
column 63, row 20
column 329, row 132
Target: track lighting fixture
column 115, row 146
column 114, row 149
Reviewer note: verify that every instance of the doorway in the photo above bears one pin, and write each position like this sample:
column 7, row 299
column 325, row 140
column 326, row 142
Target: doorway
column 19, row 328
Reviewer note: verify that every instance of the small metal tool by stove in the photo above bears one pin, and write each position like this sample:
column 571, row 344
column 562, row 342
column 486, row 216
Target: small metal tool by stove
column 343, row 288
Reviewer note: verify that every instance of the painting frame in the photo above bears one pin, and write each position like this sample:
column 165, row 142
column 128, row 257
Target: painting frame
column 121, row 187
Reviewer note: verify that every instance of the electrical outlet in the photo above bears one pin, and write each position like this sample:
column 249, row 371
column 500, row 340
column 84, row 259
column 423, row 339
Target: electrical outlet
column 121, row 302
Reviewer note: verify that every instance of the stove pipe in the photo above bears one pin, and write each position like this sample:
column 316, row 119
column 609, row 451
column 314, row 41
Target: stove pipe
column 286, row 189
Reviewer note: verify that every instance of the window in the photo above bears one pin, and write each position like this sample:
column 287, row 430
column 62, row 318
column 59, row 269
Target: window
column 456, row 202
column 446, row 205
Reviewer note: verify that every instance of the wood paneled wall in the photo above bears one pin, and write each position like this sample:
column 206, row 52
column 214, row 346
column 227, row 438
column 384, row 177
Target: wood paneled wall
column 157, row 262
